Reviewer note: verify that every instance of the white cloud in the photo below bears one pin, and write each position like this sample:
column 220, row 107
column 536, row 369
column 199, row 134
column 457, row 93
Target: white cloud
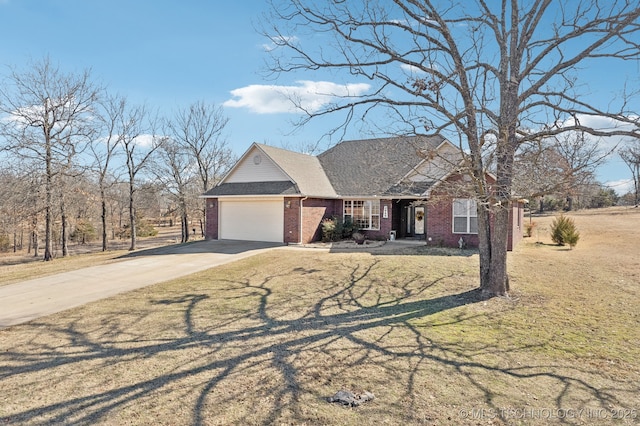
column 622, row 186
column 607, row 124
column 278, row 41
column 144, row 140
column 411, row 69
column 307, row 95
column 602, row 122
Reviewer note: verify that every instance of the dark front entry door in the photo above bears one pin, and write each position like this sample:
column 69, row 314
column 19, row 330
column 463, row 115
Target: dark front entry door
column 408, row 220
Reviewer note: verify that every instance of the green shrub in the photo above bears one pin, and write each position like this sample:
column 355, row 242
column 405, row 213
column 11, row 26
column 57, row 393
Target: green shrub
column 334, row 229
column 329, row 229
column 5, row 243
column 85, row 232
column 143, row 229
column 564, row 231
column 346, row 228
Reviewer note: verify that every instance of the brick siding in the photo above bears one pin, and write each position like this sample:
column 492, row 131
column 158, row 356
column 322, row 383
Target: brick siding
column 211, row 228
column 439, row 226
column 291, row 214
column 314, row 210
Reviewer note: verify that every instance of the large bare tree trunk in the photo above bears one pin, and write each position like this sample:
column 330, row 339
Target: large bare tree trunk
column 185, row 227
column 36, row 248
column 484, row 245
column 103, row 218
column 64, row 233
column 498, row 283
column 132, row 218
column 33, row 238
column 48, row 255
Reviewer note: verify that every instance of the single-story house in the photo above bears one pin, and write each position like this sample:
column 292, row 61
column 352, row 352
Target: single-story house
column 390, row 188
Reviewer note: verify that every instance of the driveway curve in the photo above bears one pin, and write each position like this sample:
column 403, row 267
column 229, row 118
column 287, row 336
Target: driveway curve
column 27, row 300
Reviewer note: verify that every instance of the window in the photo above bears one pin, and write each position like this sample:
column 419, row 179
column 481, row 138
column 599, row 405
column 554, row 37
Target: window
column 365, row 214
column 465, row 216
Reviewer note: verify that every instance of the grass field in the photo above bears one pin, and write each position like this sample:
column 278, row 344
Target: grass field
column 16, row 267
column 266, row 340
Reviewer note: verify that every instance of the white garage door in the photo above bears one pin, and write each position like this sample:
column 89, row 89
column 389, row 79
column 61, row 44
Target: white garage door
column 252, row 220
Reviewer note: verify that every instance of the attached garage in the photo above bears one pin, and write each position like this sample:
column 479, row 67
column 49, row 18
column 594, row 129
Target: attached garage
column 252, row 220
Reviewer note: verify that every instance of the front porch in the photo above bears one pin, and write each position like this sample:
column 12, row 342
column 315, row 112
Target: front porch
column 408, row 219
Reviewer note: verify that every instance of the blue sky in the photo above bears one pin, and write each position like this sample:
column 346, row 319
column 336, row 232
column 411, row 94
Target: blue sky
column 170, row 54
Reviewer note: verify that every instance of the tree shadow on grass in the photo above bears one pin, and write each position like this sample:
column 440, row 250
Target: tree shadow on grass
column 269, row 335
column 207, row 246
column 556, row 247
column 403, row 249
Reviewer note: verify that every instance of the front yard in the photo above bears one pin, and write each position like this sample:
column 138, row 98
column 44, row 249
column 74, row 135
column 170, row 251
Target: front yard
column 266, row 340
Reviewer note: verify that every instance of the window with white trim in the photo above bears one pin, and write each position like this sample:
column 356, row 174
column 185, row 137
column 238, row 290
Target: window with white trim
column 465, row 216
column 365, row 214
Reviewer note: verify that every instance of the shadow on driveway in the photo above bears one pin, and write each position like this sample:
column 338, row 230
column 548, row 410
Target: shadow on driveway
column 211, row 246
column 27, row 300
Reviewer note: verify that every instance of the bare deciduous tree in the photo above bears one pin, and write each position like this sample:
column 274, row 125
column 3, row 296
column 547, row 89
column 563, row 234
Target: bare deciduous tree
column 48, row 114
column 560, row 165
column 631, row 156
column 489, row 75
column 173, row 168
column 17, row 205
column 138, row 146
column 199, row 132
column 104, row 149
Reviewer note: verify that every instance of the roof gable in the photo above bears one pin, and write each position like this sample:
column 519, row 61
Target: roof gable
column 437, row 166
column 264, row 169
column 256, row 166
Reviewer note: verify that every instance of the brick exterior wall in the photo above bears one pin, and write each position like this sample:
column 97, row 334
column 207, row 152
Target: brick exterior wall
column 439, row 226
column 291, row 220
column 314, row 210
column 211, row 227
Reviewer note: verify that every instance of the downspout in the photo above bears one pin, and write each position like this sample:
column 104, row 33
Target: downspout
column 427, row 195
column 301, row 202
column 426, row 228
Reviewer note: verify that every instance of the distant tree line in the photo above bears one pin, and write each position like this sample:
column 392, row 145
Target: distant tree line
column 78, row 163
column 559, row 173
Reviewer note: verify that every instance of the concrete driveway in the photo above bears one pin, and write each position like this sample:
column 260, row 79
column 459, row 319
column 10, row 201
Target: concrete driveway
column 27, row 300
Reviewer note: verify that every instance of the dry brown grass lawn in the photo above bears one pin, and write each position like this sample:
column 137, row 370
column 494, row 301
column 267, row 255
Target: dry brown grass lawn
column 267, row 339
column 16, row 267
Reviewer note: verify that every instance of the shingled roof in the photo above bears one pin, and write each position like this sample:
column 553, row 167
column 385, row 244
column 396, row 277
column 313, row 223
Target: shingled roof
column 376, row 166
column 305, row 170
column 254, row 188
column 360, row 168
